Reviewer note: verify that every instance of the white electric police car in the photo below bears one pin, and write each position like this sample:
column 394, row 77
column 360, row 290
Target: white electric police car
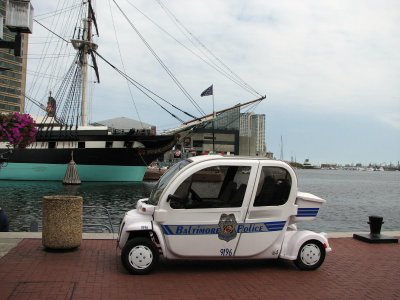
column 215, row 207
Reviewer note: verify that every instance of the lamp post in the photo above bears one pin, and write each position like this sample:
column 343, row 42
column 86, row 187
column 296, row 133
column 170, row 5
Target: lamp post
column 213, row 129
column 19, row 19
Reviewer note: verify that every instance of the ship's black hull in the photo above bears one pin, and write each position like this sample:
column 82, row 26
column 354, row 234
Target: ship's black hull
column 126, row 162
column 88, row 156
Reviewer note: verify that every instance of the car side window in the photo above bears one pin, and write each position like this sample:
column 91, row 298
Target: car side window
column 215, row 187
column 273, row 187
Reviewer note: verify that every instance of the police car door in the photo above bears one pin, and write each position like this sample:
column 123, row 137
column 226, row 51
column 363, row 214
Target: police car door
column 271, row 206
column 204, row 211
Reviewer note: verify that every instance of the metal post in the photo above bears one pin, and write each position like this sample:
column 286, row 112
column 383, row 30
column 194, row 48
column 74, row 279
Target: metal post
column 213, row 133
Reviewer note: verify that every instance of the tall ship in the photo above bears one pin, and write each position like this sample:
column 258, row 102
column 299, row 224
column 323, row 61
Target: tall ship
column 100, row 153
column 64, row 98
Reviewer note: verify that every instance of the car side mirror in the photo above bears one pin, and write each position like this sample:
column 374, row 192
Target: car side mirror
column 175, row 198
column 176, row 202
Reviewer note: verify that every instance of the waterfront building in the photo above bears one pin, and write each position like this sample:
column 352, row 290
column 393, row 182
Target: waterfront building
column 228, row 120
column 12, row 71
column 235, row 133
column 258, row 132
column 245, row 124
column 252, row 134
column 226, row 134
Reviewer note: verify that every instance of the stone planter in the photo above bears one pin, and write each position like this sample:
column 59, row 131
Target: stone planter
column 62, row 222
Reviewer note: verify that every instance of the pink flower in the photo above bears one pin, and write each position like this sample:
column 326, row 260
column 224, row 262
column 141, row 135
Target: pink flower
column 17, row 129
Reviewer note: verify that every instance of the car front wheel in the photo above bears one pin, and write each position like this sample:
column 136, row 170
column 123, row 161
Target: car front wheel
column 311, row 256
column 139, row 256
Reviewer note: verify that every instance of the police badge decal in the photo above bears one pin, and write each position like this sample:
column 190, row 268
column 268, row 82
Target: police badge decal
column 227, row 227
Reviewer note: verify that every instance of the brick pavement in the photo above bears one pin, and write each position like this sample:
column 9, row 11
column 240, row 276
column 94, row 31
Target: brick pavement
column 354, row 270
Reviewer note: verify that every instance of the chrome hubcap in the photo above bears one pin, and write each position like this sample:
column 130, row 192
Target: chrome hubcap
column 140, row 257
column 310, row 254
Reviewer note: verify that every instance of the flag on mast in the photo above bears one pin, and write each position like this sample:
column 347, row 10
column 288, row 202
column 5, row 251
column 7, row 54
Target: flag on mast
column 207, row 92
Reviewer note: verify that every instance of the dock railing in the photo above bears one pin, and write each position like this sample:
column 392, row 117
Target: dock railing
column 100, row 219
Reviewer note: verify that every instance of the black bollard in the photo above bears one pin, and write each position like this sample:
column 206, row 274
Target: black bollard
column 375, row 236
column 375, row 224
column 3, row 221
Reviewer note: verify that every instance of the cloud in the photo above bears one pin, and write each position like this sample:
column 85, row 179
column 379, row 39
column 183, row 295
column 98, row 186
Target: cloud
column 309, row 57
column 391, row 119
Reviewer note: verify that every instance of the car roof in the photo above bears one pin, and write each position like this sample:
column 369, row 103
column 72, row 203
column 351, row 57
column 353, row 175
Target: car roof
column 200, row 158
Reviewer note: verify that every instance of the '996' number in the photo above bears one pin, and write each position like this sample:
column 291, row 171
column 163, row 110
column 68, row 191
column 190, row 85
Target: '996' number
column 226, row 252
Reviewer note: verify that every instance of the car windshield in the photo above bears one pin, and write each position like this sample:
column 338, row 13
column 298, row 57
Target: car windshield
column 162, row 183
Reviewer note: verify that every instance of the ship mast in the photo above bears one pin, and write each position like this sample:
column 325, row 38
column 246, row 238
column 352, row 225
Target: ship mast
column 85, row 46
column 84, row 59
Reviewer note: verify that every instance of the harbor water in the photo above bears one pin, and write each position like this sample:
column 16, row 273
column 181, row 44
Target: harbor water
column 351, row 197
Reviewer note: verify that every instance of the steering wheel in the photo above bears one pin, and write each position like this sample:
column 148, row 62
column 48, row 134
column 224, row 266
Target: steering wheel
column 195, row 196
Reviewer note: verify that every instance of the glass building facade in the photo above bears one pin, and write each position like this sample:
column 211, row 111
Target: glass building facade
column 12, row 72
column 228, row 120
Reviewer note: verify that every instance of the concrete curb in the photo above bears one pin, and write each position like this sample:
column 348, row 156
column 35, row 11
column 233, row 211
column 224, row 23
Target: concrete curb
column 9, row 240
column 38, row 235
column 350, row 234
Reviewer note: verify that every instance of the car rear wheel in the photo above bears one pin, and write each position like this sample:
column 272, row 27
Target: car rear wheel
column 139, row 256
column 311, row 256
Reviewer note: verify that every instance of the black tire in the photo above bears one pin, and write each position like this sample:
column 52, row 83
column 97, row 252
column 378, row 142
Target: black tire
column 139, row 256
column 311, row 256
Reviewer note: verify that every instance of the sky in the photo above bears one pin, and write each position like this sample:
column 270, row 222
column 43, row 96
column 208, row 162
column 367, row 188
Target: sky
column 330, row 70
